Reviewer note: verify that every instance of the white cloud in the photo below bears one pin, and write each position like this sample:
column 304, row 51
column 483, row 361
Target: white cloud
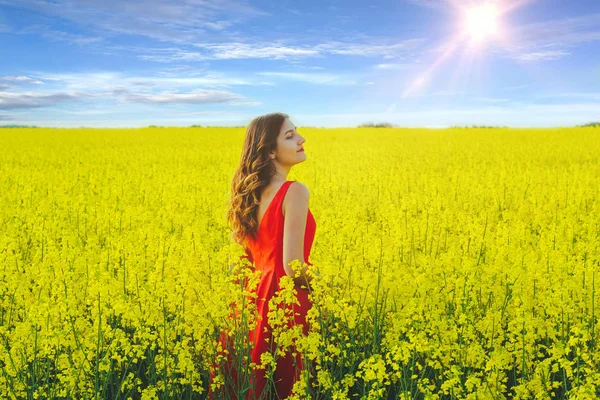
column 562, row 31
column 490, row 99
column 187, row 70
column 218, row 25
column 434, row 4
column 246, row 103
column 126, row 121
column 550, row 40
column 314, row 78
column 199, row 96
column 184, row 21
column 278, row 51
column 20, row 80
column 580, row 95
column 55, row 35
column 172, row 55
column 200, row 113
column 14, row 100
column 242, row 50
column 233, row 50
column 102, row 81
column 108, row 86
column 391, row 66
column 541, row 55
column 372, row 49
column 202, row 30
column 89, row 112
column 515, row 87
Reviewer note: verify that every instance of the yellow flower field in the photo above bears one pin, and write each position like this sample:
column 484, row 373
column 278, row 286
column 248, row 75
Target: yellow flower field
column 451, row 264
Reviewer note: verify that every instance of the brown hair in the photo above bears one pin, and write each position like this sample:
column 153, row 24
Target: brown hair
column 254, row 173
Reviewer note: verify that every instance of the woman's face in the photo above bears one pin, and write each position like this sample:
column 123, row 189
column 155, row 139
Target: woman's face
column 289, row 142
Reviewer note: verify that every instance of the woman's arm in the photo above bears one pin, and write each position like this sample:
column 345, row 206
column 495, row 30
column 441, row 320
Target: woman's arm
column 295, row 211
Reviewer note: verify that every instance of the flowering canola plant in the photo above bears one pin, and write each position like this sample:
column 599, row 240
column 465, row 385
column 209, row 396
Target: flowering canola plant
column 457, row 263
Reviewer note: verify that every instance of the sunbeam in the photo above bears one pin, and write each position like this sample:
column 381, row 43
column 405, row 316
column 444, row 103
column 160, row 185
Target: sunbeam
column 480, row 25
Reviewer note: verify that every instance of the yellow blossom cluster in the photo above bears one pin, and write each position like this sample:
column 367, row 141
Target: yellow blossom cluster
column 455, row 263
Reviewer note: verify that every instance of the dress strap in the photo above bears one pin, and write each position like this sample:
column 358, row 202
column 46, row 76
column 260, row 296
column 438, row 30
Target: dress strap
column 283, row 190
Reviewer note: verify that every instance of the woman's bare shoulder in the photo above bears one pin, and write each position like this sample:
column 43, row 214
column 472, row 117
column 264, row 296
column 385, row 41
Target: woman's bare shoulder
column 300, row 188
column 297, row 196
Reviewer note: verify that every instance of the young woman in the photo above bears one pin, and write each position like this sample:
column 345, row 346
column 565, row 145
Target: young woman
column 269, row 216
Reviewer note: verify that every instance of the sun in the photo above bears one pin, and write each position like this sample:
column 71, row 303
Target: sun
column 481, row 22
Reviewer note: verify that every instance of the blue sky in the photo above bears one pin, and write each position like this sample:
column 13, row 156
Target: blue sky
column 326, row 63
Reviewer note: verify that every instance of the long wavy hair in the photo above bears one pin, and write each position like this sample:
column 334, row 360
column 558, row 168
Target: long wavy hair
column 254, row 173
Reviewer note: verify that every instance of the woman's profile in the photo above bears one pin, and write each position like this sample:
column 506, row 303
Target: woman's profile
column 270, row 217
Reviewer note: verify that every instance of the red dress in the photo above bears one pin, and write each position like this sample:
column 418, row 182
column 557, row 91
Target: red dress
column 266, row 253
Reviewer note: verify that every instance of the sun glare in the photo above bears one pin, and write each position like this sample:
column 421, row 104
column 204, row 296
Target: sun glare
column 479, row 24
column 482, row 22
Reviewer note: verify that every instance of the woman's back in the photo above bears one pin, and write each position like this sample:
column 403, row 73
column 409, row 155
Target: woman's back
column 266, row 251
